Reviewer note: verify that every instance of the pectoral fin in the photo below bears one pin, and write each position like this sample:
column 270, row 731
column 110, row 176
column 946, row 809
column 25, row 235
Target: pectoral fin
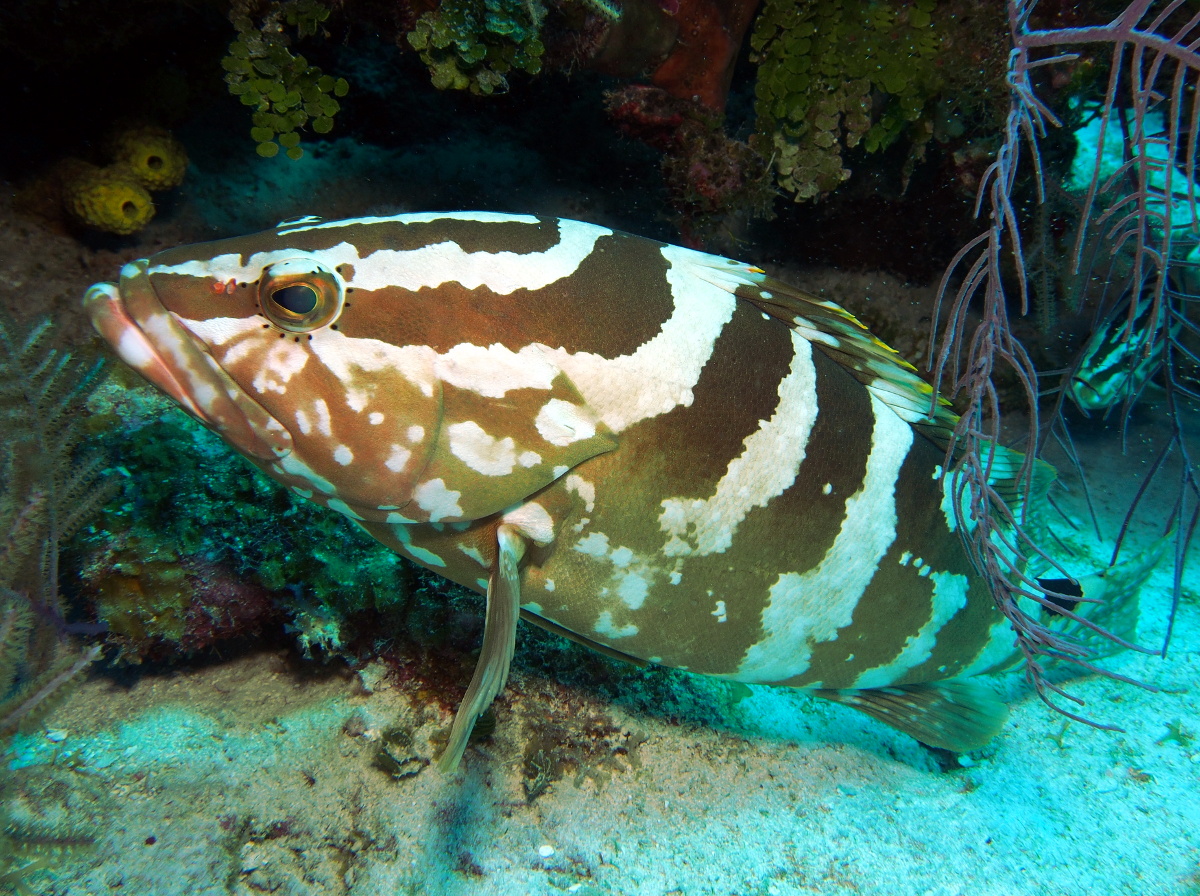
column 499, row 643
column 563, row 632
column 953, row 715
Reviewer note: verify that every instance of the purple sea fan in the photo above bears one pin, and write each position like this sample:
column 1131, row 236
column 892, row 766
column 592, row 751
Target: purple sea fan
column 1140, row 222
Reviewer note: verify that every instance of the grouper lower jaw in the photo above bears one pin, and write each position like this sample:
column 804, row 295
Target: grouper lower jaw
column 149, row 339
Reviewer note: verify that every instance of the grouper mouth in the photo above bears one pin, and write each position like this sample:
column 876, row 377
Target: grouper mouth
column 151, row 340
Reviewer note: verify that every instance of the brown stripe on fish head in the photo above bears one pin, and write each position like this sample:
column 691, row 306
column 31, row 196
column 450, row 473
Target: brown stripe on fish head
column 196, row 298
column 614, row 302
column 924, row 564
column 354, row 239
column 367, row 235
column 225, row 289
column 521, row 237
column 241, row 248
column 399, row 316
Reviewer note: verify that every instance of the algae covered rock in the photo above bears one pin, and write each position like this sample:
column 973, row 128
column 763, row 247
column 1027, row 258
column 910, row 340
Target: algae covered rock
column 286, row 92
column 836, row 74
column 474, row 44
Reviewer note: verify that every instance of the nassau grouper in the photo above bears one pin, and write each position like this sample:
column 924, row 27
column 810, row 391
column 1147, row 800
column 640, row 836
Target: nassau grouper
column 665, row 455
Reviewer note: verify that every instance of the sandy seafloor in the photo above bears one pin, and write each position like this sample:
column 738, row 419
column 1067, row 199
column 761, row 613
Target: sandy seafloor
column 257, row 774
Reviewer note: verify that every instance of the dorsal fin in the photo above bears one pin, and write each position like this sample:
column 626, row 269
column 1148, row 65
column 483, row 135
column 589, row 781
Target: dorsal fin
column 844, row 339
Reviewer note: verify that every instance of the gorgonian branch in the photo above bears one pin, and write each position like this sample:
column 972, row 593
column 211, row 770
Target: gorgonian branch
column 1146, row 211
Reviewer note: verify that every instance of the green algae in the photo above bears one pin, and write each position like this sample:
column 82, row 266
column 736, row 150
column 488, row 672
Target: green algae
column 287, row 93
column 822, row 68
column 475, row 44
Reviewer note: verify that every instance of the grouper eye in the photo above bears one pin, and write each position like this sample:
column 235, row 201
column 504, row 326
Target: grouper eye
column 300, row 298
column 300, row 294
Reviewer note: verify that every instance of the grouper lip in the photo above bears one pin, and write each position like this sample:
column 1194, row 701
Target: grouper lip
column 149, row 338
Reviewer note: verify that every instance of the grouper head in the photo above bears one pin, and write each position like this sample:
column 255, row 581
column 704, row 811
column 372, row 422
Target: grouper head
column 340, row 360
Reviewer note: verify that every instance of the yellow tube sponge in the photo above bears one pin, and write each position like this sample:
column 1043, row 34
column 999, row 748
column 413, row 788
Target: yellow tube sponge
column 108, row 199
column 150, row 154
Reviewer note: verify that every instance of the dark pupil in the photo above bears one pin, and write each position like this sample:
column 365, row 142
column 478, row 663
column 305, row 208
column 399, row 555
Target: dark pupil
column 298, row 299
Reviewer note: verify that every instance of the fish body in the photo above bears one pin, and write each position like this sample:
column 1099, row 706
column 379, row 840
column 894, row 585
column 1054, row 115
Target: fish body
column 662, row 453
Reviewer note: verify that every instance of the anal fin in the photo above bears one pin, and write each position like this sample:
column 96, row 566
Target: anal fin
column 953, row 715
column 499, row 643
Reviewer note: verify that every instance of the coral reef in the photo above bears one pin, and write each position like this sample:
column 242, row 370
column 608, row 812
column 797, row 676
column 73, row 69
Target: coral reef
column 625, row 43
column 188, row 603
column 711, row 177
column 699, row 64
column 824, row 66
column 286, row 92
column 843, row 78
